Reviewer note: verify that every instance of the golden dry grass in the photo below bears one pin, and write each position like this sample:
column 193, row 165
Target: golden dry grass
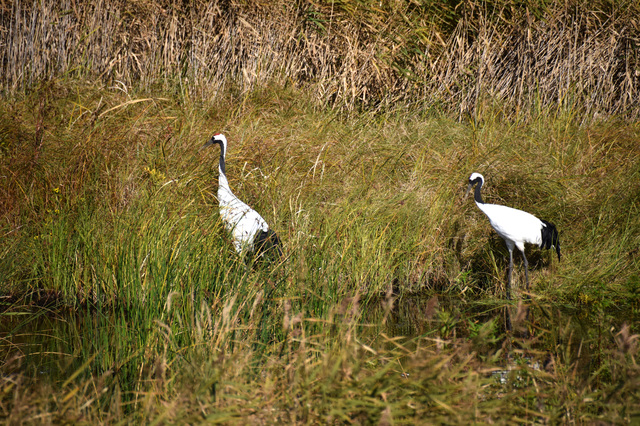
column 522, row 58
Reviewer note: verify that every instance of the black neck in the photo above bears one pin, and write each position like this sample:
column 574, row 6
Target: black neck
column 222, row 168
column 476, row 195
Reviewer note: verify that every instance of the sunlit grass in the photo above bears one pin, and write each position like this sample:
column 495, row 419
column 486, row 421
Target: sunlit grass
column 514, row 58
column 112, row 213
column 353, row 128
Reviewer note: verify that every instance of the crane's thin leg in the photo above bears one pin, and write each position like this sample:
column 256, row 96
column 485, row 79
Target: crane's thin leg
column 527, row 297
column 509, row 274
column 526, row 270
column 506, row 308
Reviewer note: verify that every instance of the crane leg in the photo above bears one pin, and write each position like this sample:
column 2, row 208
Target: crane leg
column 507, row 319
column 506, row 308
column 509, row 274
column 526, row 270
column 528, row 297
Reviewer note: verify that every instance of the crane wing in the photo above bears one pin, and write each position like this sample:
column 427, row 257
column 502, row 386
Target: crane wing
column 241, row 221
column 513, row 224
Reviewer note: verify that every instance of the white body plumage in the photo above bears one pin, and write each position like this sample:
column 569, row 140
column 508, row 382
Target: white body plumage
column 246, row 226
column 516, row 227
column 239, row 219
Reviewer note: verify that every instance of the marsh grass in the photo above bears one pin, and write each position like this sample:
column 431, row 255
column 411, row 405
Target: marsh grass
column 353, row 128
column 334, row 376
column 522, row 56
column 108, row 209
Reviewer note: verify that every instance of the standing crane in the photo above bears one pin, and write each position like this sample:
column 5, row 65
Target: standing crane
column 516, row 228
column 249, row 231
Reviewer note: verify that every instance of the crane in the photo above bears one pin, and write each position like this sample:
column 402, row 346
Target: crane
column 516, row 227
column 249, row 231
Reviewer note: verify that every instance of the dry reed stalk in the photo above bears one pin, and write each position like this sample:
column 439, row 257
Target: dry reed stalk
column 583, row 55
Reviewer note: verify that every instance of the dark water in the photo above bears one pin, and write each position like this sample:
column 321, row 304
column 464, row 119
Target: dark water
column 52, row 344
column 37, row 341
column 577, row 337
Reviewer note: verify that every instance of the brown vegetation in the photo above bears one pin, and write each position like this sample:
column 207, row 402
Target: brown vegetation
column 452, row 55
column 122, row 298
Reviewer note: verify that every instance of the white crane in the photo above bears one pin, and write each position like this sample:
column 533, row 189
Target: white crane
column 516, row 228
column 249, row 231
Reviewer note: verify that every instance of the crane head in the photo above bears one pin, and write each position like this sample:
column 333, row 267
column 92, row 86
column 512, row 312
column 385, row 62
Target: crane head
column 475, row 178
column 219, row 139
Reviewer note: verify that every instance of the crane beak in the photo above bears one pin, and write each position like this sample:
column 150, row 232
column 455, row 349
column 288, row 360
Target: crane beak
column 466, row 194
column 209, row 143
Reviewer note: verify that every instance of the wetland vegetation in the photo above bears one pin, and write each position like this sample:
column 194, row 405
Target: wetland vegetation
column 353, row 127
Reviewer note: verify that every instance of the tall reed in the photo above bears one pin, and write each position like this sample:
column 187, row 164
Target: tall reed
column 452, row 56
column 109, row 214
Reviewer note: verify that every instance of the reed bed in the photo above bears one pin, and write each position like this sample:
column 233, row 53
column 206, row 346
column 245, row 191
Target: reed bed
column 109, row 220
column 460, row 57
column 353, row 129
column 309, row 378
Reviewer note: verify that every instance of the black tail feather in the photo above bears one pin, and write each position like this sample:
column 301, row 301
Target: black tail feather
column 267, row 244
column 550, row 237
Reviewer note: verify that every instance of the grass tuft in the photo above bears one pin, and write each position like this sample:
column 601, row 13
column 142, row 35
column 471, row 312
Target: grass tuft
column 353, row 128
column 470, row 59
